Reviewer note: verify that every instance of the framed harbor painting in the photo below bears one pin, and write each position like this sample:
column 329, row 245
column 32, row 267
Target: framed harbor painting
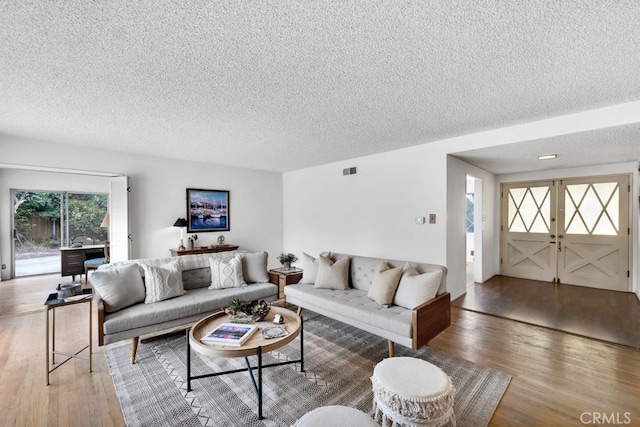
column 207, row 210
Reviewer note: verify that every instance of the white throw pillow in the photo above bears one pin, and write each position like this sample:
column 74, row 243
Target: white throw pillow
column 118, row 287
column 415, row 289
column 163, row 282
column 384, row 285
column 226, row 273
column 333, row 275
column 310, row 267
column 254, row 267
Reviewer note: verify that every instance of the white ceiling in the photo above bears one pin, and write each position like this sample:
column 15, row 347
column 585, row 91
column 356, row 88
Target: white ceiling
column 284, row 85
column 603, row 146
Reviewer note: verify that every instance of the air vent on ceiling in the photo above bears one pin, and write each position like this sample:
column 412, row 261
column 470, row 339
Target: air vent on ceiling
column 349, row 171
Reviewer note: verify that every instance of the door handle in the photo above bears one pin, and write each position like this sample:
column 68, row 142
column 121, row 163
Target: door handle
column 559, row 246
column 553, row 236
column 561, row 237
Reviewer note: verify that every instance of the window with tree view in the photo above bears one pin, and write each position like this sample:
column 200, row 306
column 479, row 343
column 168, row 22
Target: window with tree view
column 46, row 221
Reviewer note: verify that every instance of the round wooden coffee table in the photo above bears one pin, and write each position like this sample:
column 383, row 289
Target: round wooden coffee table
column 256, row 345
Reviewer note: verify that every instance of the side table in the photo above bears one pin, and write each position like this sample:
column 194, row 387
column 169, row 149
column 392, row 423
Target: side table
column 51, row 304
column 283, row 277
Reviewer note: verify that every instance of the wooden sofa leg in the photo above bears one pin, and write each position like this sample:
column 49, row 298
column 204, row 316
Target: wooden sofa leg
column 134, row 348
column 299, row 311
column 392, row 348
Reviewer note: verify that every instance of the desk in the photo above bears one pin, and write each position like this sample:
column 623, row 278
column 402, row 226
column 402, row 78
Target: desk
column 51, row 304
column 72, row 259
column 205, row 250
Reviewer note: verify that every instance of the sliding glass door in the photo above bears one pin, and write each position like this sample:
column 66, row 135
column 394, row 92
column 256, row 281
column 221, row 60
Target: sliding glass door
column 45, row 221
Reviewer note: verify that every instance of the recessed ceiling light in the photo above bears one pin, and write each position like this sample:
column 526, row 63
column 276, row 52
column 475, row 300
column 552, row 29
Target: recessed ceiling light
column 547, row 157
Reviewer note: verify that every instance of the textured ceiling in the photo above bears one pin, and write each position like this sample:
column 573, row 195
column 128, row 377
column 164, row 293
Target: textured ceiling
column 612, row 145
column 284, row 85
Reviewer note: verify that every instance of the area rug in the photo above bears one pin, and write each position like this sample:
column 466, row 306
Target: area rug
column 339, row 362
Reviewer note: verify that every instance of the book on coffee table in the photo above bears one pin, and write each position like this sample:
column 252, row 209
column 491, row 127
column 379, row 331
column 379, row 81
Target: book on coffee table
column 234, row 334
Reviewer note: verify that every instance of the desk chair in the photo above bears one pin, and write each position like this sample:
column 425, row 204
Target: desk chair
column 94, row 263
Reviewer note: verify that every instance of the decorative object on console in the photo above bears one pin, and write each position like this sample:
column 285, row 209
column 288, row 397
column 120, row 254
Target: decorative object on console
column 182, row 223
column 192, row 241
column 286, row 260
column 221, row 239
column 207, row 210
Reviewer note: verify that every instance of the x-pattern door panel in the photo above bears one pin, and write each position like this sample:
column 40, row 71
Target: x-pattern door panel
column 526, row 248
column 593, row 247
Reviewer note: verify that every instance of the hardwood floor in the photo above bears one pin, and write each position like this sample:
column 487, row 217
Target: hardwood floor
column 557, row 377
column 595, row 313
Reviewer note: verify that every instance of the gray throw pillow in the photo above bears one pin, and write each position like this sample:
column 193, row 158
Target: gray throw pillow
column 384, row 285
column 254, row 267
column 119, row 287
column 333, row 275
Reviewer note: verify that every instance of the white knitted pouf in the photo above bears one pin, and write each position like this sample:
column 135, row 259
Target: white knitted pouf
column 412, row 392
column 335, row 416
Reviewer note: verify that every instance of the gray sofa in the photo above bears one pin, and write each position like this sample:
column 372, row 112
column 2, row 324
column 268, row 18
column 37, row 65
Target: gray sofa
column 411, row 328
column 124, row 315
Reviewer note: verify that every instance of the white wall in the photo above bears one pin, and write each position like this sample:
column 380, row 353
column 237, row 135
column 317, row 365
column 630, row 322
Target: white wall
column 157, row 198
column 457, row 172
column 612, row 169
column 373, row 212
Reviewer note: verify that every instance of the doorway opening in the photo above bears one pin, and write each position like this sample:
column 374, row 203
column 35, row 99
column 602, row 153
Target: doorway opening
column 44, row 221
column 473, row 230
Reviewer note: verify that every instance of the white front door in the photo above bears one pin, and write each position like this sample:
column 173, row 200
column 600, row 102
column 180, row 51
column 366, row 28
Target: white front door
column 574, row 231
column 528, row 251
column 593, row 227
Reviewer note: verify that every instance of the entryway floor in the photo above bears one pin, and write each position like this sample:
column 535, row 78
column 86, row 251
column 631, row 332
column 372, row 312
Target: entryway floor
column 593, row 313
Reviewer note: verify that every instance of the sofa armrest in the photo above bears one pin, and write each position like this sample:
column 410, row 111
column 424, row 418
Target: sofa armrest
column 100, row 309
column 431, row 318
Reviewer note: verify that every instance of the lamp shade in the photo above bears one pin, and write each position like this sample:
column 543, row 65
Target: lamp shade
column 180, row 222
column 105, row 221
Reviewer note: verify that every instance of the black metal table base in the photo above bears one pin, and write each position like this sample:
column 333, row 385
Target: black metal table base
column 257, row 386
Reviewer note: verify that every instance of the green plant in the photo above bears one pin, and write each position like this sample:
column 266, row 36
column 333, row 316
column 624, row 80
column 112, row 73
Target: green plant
column 237, row 304
column 287, row 258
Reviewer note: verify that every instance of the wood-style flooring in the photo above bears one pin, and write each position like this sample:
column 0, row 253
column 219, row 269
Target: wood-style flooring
column 558, row 379
column 595, row 313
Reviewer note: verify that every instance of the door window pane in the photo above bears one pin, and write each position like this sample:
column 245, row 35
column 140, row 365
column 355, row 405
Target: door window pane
column 592, row 209
column 529, row 210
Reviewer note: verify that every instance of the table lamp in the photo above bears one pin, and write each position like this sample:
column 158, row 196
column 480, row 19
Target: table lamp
column 182, row 223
